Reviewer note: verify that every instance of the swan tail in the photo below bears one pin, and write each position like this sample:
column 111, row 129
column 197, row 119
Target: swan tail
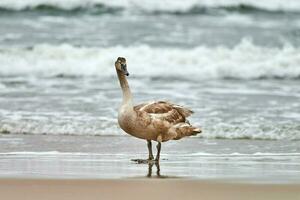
column 184, row 130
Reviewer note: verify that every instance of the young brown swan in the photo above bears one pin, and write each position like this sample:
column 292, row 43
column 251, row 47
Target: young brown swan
column 158, row 120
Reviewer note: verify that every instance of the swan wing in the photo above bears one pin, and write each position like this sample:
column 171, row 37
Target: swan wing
column 164, row 110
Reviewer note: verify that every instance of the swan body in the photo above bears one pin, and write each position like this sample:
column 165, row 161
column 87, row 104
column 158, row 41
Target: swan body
column 158, row 121
column 153, row 121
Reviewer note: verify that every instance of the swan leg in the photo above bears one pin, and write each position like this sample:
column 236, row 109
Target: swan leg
column 149, row 144
column 150, row 158
column 158, row 146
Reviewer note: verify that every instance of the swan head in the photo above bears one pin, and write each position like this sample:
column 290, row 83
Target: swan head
column 121, row 66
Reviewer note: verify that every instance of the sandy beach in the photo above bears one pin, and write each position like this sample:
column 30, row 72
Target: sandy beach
column 29, row 189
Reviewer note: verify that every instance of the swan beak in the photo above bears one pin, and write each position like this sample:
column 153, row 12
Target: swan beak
column 124, row 69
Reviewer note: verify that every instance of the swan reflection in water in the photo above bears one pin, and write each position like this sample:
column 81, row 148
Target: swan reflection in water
column 150, row 166
column 158, row 175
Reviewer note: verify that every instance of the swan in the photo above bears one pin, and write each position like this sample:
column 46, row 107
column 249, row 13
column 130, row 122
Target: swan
column 158, row 121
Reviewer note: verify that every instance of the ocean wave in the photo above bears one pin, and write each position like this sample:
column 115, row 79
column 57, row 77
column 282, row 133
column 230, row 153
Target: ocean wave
column 244, row 61
column 95, row 9
column 166, row 6
column 103, row 128
column 52, row 125
column 253, row 132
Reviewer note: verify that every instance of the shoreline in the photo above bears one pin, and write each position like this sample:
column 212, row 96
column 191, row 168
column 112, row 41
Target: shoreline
column 142, row 189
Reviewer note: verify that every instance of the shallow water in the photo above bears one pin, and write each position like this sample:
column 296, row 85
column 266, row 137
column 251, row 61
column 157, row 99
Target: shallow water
column 109, row 157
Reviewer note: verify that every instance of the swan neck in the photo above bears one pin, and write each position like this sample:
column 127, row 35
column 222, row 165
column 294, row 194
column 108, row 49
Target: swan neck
column 127, row 96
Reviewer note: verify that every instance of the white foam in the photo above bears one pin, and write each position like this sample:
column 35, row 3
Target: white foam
column 236, row 154
column 29, row 153
column 244, row 61
column 163, row 5
column 252, row 130
column 53, row 153
column 103, row 127
column 60, row 127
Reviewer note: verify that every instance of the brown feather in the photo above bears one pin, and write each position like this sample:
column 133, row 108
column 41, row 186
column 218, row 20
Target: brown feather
column 162, row 107
column 168, row 119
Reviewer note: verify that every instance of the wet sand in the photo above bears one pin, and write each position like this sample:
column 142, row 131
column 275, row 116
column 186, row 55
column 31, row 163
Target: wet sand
column 30, row 189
